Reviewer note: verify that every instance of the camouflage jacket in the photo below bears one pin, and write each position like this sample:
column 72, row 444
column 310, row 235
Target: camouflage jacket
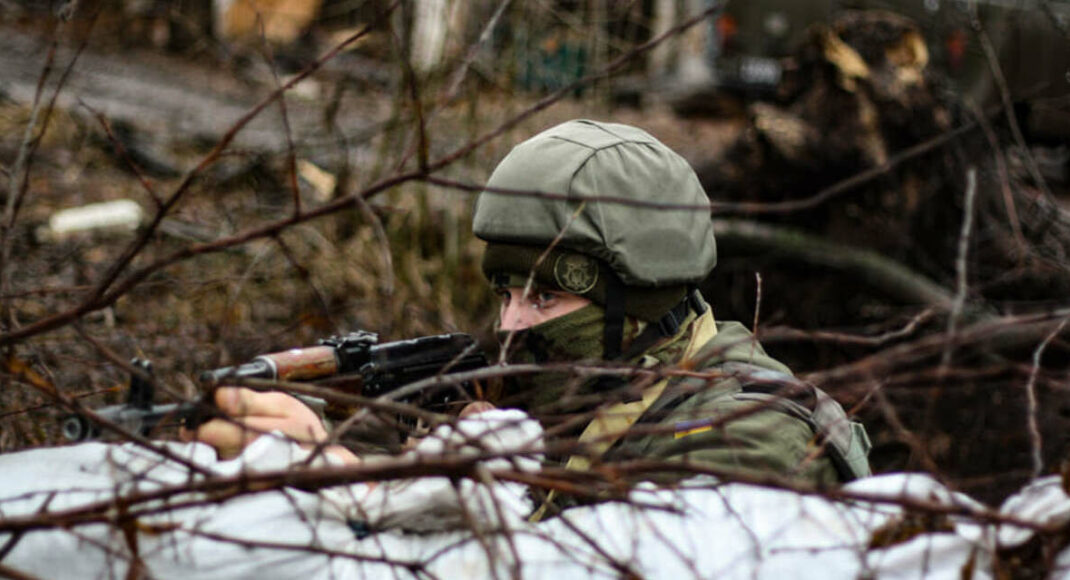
column 750, row 418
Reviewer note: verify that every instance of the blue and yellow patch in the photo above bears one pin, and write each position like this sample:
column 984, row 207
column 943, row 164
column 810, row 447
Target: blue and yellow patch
column 685, row 428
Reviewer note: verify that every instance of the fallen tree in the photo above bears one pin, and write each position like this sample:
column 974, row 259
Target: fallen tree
column 866, row 195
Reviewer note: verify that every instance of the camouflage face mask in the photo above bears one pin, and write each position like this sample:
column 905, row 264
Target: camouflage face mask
column 576, row 336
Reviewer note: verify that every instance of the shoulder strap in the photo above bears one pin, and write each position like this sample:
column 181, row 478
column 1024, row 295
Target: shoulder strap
column 610, row 424
column 847, row 443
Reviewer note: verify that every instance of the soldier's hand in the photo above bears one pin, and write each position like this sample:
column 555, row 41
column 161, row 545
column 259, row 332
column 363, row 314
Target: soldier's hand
column 470, row 410
column 253, row 413
column 475, row 408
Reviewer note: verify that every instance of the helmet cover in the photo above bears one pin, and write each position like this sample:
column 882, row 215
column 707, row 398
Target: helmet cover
column 644, row 212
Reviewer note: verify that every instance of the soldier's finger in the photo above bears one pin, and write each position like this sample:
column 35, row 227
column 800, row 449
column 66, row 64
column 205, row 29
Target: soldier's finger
column 476, row 407
column 240, row 402
column 227, row 437
column 301, row 430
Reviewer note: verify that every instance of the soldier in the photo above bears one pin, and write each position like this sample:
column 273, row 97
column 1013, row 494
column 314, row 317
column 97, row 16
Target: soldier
column 597, row 235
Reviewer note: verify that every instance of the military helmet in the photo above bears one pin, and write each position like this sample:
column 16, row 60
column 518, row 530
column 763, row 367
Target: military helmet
column 618, row 207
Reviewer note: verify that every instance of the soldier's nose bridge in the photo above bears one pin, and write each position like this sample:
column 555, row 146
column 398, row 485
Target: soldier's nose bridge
column 513, row 315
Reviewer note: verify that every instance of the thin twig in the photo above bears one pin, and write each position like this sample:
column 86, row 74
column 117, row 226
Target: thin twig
column 1005, row 98
column 422, row 144
column 917, row 446
column 306, row 277
column 1004, row 181
column 447, row 96
column 302, row 547
column 139, row 504
column 1031, row 402
column 558, row 196
column 473, row 51
column 13, row 574
column 757, row 310
column 1003, row 332
column 785, row 333
column 123, row 363
column 136, row 277
column 530, row 283
column 386, row 278
column 208, row 160
column 106, row 291
column 847, row 184
column 291, row 155
column 123, row 154
column 19, row 176
column 52, row 405
column 1060, row 23
column 22, row 372
column 615, row 66
column 961, row 282
column 20, row 173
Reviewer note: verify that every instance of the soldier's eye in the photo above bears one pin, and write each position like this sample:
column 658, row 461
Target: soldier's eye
column 544, row 299
column 503, row 295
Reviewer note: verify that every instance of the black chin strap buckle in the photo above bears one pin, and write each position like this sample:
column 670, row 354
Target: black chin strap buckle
column 694, row 297
column 670, row 324
column 613, row 333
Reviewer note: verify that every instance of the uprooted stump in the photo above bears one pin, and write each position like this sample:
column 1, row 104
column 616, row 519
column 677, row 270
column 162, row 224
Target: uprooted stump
column 861, row 169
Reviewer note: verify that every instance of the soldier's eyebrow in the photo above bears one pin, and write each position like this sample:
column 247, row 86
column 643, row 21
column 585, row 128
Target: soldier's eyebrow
column 540, row 288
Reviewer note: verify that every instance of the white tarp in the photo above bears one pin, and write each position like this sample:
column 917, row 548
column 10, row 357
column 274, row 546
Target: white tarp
column 433, row 527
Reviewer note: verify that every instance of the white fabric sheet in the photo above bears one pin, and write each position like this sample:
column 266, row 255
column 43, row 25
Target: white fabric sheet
column 435, row 527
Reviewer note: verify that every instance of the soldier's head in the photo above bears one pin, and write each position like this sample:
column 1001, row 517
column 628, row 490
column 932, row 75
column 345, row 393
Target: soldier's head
column 592, row 227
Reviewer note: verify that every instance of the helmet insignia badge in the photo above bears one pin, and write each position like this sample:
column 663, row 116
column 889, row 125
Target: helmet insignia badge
column 576, row 273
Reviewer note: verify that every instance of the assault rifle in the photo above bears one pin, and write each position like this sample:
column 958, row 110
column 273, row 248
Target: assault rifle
column 356, row 362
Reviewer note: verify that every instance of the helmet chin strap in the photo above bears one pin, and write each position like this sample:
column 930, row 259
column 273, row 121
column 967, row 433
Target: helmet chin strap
column 613, row 332
column 613, row 337
column 668, row 325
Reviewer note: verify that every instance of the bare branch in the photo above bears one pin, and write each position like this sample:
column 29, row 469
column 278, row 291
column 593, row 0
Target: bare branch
column 1031, row 398
column 772, row 334
column 961, row 281
column 1005, row 98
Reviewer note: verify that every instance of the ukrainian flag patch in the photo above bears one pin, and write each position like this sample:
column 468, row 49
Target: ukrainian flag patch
column 685, row 428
